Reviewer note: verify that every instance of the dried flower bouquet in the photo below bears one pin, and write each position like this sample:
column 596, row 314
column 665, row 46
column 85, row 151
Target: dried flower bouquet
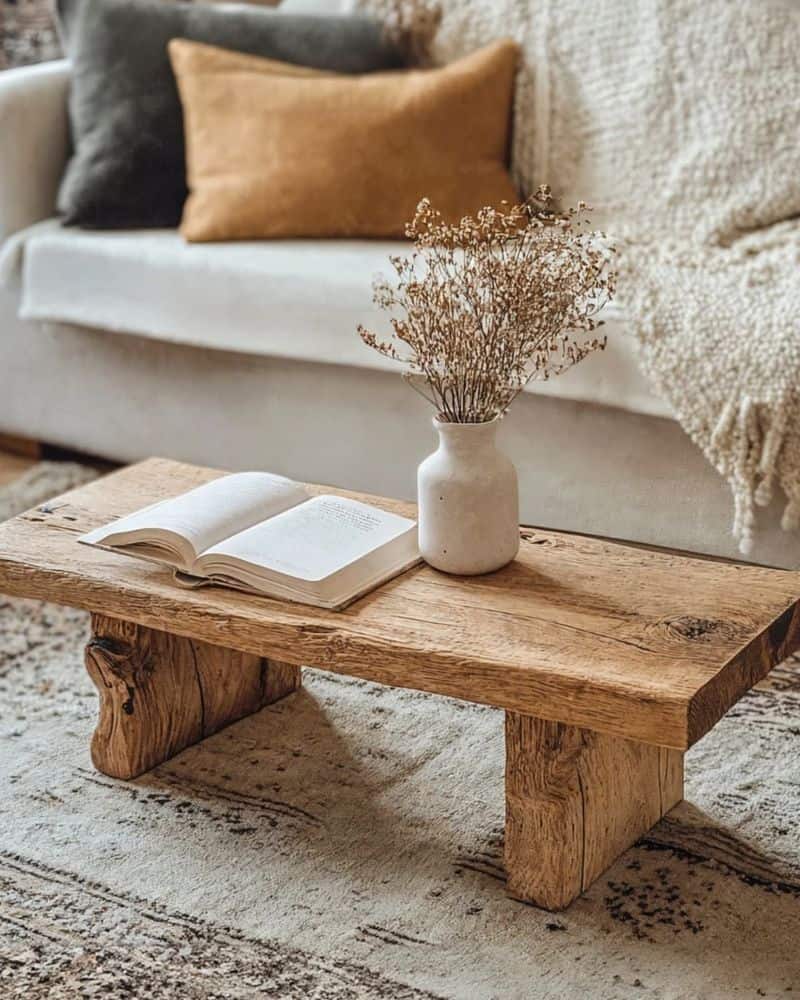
column 482, row 307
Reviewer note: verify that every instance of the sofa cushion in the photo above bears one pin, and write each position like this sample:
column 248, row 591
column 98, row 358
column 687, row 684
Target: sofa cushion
column 276, row 150
column 299, row 299
column 128, row 167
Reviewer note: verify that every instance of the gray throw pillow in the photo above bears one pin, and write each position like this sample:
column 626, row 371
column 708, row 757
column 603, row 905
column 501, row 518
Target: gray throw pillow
column 128, row 167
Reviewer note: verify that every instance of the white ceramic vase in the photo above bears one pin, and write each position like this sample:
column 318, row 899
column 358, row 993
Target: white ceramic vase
column 468, row 501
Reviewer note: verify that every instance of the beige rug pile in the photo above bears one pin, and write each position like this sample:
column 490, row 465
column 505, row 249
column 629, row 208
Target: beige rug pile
column 347, row 843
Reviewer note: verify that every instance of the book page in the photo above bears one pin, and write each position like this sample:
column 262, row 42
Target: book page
column 208, row 513
column 312, row 541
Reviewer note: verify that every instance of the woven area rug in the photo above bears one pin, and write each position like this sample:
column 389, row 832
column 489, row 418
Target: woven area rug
column 27, row 33
column 347, row 843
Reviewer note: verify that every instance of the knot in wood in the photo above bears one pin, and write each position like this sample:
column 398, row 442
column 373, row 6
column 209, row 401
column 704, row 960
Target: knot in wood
column 119, row 657
column 698, row 629
column 110, row 647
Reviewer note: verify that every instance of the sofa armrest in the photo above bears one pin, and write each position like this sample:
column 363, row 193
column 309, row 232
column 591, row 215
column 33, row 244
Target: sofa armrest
column 34, row 142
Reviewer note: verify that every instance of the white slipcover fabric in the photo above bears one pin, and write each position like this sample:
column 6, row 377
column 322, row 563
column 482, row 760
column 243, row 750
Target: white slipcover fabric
column 585, row 468
column 34, row 142
column 297, row 299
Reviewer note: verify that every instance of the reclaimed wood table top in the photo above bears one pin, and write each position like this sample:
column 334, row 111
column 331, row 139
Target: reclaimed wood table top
column 642, row 644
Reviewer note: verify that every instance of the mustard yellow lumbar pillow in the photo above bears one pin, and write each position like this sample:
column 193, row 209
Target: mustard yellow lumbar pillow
column 279, row 150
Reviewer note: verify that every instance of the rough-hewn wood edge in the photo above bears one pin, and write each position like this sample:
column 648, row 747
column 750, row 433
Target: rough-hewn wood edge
column 745, row 668
column 322, row 646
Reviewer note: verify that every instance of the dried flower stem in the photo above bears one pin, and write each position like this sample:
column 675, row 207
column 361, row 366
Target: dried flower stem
column 482, row 307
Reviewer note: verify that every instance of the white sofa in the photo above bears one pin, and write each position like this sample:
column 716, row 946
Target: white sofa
column 126, row 344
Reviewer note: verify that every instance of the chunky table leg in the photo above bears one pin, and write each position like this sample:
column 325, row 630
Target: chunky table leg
column 575, row 800
column 161, row 692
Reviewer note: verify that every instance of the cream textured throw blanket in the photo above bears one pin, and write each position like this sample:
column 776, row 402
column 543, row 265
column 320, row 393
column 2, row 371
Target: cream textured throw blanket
column 679, row 122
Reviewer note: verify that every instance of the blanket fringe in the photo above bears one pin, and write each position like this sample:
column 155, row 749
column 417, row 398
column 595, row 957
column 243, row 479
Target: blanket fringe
column 768, row 463
column 791, row 515
column 746, row 443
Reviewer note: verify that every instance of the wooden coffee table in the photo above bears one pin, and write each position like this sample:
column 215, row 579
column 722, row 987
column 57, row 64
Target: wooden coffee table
column 609, row 661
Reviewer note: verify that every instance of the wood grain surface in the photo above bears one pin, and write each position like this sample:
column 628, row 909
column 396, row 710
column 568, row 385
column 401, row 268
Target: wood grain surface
column 644, row 645
column 575, row 800
column 160, row 693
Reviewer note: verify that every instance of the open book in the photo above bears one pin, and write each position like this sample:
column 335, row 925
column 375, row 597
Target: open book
column 266, row 534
